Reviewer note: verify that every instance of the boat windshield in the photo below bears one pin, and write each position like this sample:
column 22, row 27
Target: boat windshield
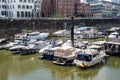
column 49, row 52
column 84, row 57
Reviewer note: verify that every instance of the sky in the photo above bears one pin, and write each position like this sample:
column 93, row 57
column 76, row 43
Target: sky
column 103, row 0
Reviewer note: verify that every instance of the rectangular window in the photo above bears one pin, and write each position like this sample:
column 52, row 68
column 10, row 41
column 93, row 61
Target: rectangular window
column 28, row 14
column 20, row 0
column 22, row 14
column 19, row 6
column 23, row 6
column 30, row 7
column 3, row 0
column 25, row 14
column 18, row 14
column 13, row 6
column 2, row 13
column 27, row 7
column 32, row 1
column 3, row 6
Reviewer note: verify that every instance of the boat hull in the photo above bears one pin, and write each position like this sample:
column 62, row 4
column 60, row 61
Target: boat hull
column 84, row 64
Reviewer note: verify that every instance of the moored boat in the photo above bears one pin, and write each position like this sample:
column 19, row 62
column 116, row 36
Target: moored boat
column 33, row 47
column 89, row 57
column 61, row 33
column 48, row 51
column 47, row 54
column 52, row 44
column 9, row 45
column 65, row 55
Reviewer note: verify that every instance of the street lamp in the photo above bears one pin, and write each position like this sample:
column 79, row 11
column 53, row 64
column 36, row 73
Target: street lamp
column 34, row 12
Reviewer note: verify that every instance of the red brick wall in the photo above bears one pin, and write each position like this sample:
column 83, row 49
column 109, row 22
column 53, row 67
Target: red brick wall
column 46, row 8
column 66, row 7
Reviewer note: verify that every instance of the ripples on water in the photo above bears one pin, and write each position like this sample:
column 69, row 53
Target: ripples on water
column 29, row 67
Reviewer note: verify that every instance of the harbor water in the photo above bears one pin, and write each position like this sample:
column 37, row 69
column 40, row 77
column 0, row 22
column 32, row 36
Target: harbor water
column 29, row 67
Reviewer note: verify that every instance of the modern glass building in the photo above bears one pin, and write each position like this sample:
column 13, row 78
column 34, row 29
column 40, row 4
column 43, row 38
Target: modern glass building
column 91, row 1
column 104, row 9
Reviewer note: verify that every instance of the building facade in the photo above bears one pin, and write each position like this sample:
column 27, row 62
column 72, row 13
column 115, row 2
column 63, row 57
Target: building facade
column 104, row 9
column 116, row 1
column 91, row 1
column 20, row 9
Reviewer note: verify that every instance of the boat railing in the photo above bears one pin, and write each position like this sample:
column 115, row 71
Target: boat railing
column 117, row 40
column 63, row 53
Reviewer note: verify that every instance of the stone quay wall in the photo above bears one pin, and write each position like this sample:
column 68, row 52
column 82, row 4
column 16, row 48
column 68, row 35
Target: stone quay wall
column 10, row 27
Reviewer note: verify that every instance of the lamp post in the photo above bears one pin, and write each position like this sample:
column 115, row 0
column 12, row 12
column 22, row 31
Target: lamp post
column 34, row 11
column 72, row 31
column 65, row 22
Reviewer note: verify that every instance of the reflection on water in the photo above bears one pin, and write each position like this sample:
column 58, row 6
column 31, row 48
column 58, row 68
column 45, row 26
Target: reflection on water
column 29, row 67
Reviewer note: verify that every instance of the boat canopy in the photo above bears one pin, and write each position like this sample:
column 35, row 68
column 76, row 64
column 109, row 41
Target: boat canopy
column 84, row 57
column 49, row 50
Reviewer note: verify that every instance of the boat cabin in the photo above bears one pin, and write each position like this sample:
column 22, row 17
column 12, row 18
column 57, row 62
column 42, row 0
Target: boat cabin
column 87, row 54
column 99, row 45
column 88, row 58
column 86, row 32
column 64, row 55
column 112, row 48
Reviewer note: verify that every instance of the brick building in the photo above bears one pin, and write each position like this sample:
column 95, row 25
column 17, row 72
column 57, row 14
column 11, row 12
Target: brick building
column 47, row 8
column 58, row 7
column 64, row 8
column 83, row 10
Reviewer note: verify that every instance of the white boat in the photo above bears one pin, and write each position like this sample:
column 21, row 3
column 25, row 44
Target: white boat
column 86, row 32
column 33, row 47
column 30, row 36
column 16, row 48
column 37, row 36
column 113, row 29
column 61, row 33
column 83, row 44
column 97, row 44
column 65, row 55
column 53, row 44
column 3, row 41
column 44, row 35
column 114, row 35
column 89, row 57
column 69, row 43
column 10, row 44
